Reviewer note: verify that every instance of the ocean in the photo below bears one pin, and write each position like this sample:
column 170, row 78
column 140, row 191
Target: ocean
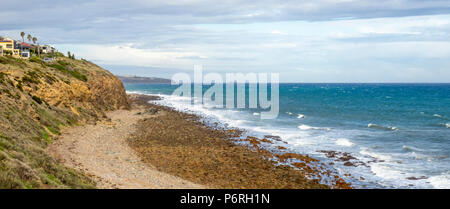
column 400, row 132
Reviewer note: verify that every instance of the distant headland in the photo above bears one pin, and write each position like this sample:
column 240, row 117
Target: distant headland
column 147, row 80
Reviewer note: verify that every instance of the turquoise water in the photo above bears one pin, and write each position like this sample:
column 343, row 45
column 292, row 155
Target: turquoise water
column 400, row 131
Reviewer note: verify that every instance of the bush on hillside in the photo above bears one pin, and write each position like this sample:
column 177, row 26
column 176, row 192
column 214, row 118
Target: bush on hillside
column 35, row 59
column 65, row 67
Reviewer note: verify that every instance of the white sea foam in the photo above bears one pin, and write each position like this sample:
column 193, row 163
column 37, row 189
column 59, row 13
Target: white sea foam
column 437, row 115
column 306, row 127
column 365, row 151
column 391, row 174
column 344, row 142
column 387, row 128
column 447, row 125
column 418, row 156
column 184, row 104
column 441, row 181
column 300, row 142
column 300, row 116
column 411, row 148
column 387, row 172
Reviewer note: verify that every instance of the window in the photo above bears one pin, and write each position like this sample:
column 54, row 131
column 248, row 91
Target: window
column 9, row 46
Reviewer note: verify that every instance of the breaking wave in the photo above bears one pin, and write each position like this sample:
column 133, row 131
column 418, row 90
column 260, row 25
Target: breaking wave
column 386, row 128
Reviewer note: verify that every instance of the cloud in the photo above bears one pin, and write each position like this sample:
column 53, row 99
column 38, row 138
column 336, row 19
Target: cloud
column 120, row 54
column 107, row 21
column 336, row 39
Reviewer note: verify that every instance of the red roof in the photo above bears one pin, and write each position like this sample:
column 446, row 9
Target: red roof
column 25, row 44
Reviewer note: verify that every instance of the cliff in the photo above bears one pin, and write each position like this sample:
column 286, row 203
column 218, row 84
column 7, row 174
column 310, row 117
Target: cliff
column 39, row 99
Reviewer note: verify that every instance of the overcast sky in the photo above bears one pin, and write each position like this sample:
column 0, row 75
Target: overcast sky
column 304, row 40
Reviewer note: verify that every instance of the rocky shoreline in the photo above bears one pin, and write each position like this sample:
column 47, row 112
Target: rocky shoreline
column 180, row 144
column 153, row 146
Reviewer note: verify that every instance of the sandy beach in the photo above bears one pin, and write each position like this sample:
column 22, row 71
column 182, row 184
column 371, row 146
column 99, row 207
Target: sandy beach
column 152, row 146
column 101, row 151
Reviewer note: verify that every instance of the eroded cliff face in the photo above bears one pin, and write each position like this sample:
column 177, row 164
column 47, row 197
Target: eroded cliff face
column 100, row 91
column 38, row 100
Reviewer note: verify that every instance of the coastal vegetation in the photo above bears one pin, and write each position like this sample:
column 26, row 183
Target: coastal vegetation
column 38, row 100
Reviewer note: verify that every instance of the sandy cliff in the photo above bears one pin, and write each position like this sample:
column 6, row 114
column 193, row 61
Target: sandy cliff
column 38, row 100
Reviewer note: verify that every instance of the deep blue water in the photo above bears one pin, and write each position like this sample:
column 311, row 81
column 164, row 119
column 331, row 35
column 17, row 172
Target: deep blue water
column 399, row 130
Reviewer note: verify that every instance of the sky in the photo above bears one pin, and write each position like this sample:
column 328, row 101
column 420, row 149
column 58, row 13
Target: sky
column 303, row 40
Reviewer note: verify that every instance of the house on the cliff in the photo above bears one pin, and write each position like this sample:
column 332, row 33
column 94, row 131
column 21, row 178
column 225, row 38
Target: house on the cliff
column 26, row 49
column 47, row 49
column 19, row 49
column 8, row 48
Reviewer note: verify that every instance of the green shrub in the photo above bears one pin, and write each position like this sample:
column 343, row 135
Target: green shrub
column 35, row 59
column 34, row 73
column 63, row 63
column 58, row 67
column 62, row 66
column 7, row 92
column 37, row 99
column 53, row 130
column 30, row 79
column 6, row 60
column 46, row 137
column 19, row 86
column 9, row 60
column 2, row 76
column 7, row 53
column 78, row 75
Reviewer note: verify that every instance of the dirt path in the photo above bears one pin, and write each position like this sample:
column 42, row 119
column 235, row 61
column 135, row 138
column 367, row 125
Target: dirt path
column 102, row 152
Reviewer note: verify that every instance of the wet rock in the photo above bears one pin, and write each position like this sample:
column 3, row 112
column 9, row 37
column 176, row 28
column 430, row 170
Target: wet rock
column 281, row 148
column 210, row 156
column 417, row 178
column 349, row 164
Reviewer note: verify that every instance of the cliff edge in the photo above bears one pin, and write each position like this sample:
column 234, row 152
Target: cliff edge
column 38, row 99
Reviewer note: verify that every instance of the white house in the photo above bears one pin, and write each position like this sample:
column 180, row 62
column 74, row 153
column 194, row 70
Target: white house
column 46, row 49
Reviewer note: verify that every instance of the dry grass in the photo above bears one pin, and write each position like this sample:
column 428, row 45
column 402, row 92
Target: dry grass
column 28, row 123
